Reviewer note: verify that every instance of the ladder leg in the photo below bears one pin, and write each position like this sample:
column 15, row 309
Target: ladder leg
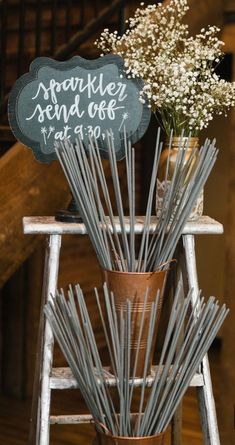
column 205, row 393
column 180, row 278
column 39, row 430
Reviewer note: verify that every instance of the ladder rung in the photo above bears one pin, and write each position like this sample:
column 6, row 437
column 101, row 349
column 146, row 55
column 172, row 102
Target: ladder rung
column 71, row 419
column 62, row 378
column 49, row 226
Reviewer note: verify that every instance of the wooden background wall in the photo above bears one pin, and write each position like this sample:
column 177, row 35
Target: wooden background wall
column 20, row 297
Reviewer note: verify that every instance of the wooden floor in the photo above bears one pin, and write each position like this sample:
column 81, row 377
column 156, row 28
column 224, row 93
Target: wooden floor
column 15, row 416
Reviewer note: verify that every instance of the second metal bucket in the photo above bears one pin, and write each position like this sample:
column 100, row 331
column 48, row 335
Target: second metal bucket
column 132, row 286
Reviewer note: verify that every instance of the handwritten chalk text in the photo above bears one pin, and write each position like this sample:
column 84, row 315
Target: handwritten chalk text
column 92, row 85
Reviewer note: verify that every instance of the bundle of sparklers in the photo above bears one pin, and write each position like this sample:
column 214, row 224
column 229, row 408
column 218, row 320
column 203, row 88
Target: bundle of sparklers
column 176, row 367
column 191, row 327
column 86, row 176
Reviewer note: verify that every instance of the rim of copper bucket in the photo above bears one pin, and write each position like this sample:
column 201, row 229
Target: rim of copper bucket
column 119, row 272
column 137, row 280
column 118, row 439
column 169, row 263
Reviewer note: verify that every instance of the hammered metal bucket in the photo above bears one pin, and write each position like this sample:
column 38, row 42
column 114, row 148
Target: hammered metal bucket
column 132, row 286
column 107, row 439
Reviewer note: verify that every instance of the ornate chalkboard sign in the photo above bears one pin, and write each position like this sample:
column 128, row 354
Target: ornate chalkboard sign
column 59, row 100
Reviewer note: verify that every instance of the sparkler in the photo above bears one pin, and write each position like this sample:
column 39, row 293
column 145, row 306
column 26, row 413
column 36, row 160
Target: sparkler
column 176, row 367
column 86, row 177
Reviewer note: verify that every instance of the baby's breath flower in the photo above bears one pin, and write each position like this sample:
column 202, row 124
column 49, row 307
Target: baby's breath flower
column 178, row 70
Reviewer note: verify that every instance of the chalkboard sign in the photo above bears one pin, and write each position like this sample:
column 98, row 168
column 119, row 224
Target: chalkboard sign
column 59, row 100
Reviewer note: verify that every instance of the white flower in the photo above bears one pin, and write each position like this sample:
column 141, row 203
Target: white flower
column 178, row 70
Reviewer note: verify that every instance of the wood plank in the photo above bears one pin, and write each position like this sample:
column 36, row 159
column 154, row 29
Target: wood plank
column 62, row 378
column 46, row 225
column 72, row 419
column 26, row 188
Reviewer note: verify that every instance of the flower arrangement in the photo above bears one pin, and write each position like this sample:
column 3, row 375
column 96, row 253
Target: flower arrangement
column 181, row 84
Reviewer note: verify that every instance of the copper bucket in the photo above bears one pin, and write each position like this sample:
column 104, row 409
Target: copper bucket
column 108, row 439
column 132, row 286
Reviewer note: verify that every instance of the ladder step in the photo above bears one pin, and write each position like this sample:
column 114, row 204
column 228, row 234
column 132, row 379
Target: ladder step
column 71, row 419
column 48, row 225
column 62, row 378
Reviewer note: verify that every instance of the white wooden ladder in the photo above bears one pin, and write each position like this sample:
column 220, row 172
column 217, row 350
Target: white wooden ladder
column 48, row 378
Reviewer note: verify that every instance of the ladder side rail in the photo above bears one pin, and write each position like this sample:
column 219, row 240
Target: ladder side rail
column 181, row 280
column 205, row 393
column 50, row 277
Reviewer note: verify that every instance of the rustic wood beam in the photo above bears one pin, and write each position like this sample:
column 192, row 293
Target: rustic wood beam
column 27, row 187
column 90, row 29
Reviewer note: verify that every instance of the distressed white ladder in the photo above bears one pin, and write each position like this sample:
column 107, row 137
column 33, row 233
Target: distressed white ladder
column 48, row 378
